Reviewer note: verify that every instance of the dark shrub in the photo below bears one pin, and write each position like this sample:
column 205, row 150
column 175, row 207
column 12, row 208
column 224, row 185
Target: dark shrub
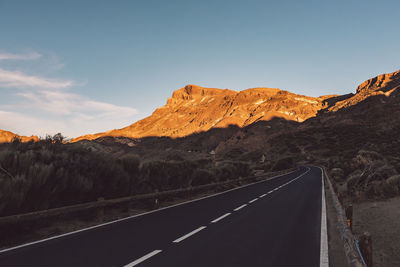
column 201, row 176
column 283, row 164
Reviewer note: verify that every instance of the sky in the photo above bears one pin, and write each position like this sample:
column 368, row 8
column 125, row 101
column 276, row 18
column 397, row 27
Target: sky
column 80, row 67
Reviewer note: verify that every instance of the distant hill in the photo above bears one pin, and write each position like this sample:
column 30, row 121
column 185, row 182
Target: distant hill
column 6, row 137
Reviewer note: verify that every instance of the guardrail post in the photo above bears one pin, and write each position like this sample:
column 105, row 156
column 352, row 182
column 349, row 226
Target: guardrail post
column 366, row 248
column 100, row 210
column 349, row 216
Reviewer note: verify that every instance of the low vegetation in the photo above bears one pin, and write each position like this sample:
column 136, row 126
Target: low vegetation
column 50, row 173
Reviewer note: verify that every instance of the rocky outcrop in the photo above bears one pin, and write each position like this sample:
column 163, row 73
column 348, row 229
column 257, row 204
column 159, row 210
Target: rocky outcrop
column 196, row 109
column 6, row 137
column 385, row 84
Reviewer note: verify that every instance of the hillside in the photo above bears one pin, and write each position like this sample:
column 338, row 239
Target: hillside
column 355, row 135
column 197, row 109
column 6, row 136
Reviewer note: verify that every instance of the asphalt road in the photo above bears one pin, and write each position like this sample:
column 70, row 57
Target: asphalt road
column 271, row 223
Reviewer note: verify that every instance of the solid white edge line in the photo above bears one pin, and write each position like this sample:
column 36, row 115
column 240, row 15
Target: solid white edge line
column 220, row 218
column 189, row 234
column 263, row 195
column 251, row 201
column 324, row 258
column 141, row 214
column 240, row 207
column 142, row 259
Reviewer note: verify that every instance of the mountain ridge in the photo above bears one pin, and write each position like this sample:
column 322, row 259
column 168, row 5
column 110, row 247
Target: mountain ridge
column 7, row 136
column 194, row 108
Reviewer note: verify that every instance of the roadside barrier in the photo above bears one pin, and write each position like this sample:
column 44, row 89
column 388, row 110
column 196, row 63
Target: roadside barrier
column 354, row 253
column 101, row 203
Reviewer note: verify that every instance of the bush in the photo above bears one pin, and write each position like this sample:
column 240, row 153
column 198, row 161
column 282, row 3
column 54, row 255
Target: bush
column 201, row 177
column 391, row 186
column 337, row 174
column 230, row 170
column 283, row 164
column 49, row 174
column 167, row 175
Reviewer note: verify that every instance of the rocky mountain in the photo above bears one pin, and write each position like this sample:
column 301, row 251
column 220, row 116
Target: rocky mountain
column 6, row 136
column 197, row 109
column 384, row 84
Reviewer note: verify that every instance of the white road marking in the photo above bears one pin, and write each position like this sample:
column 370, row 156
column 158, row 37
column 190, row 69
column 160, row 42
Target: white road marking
column 220, row 218
column 270, row 191
column 241, row 207
column 189, row 234
column 324, row 258
column 251, row 201
column 263, row 195
column 142, row 259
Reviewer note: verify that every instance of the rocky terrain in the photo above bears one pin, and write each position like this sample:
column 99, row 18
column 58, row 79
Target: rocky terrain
column 354, row 135
column 206, row 135
column 214, row 133
column 197, row 109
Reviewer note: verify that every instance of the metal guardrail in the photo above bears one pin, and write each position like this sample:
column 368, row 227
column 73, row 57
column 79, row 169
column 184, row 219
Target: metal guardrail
column 12, row 219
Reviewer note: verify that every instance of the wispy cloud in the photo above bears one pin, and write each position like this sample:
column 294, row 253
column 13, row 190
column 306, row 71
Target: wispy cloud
column 28, row 56
column 47, row 106
column 21, row 80
column 65, row 103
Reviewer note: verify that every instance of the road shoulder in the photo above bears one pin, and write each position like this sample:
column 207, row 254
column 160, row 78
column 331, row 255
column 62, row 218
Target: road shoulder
column 337, row 256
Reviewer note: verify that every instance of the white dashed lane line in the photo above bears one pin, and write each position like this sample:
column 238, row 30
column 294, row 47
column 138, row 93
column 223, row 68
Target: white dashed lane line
column 189, row 234
column 220, row 218
column 251, row 201
column 142, row 259
column 155, row 252
column 240, row 207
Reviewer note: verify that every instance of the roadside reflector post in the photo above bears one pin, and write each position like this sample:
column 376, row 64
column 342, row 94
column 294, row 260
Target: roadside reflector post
column 366, row 248
column 156, row 203
column 349, row 216
column 156, row 200
column 100, row 210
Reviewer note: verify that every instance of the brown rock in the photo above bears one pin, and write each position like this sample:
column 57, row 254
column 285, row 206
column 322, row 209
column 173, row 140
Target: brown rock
column 195, row 109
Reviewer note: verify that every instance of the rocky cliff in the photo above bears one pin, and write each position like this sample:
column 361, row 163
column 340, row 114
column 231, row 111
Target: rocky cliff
column 384, row 84
column 195, row 109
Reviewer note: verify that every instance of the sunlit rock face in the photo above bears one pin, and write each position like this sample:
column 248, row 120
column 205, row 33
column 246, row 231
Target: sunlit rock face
column 195, row 109
column 384, row 84
column 6, row 136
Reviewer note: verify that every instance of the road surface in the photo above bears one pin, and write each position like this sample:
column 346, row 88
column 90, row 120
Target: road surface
column 278, row 222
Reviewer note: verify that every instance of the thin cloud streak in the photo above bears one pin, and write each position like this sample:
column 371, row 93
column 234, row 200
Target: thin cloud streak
column 64, row 103
column 29, row 56
column 20, row 80
column 46, row 106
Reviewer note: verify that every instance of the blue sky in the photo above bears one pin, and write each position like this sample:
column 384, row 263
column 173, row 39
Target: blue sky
column 80, row 67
